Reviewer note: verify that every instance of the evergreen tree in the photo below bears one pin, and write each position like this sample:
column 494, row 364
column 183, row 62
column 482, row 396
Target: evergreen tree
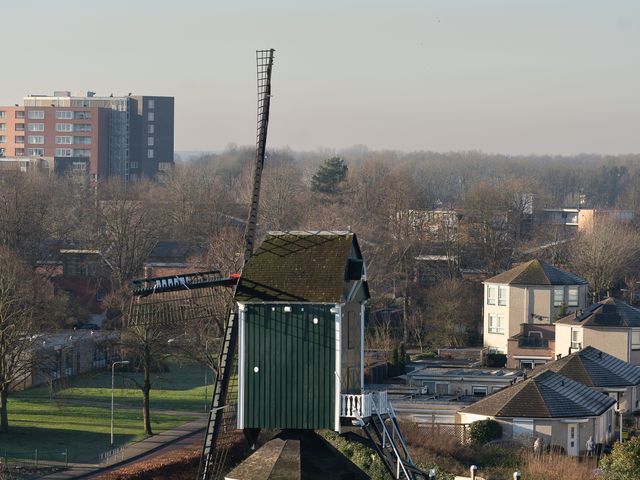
column 331, row 173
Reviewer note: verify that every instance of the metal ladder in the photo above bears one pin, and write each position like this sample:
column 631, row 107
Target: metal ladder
column 390, row 444
column 222, row 415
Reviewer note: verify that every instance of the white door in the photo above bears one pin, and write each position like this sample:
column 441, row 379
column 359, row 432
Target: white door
column 572, row 439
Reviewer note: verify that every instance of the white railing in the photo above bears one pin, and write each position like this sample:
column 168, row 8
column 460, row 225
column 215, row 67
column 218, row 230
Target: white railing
column 364, row 405
column 355, row 406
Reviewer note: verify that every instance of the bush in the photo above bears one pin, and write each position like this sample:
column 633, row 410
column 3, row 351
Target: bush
column 484, row 431
column 623, row 463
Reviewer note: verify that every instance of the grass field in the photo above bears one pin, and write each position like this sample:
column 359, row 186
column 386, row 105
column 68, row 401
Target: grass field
column 77, row 419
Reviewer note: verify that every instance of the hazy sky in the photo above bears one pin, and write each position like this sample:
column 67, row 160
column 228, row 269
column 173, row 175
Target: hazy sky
column 511, row 76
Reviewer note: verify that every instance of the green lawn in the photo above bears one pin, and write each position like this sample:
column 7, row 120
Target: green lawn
column 77, row 420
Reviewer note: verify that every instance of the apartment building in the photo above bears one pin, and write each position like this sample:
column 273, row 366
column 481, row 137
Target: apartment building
column 533, row 293
column 129, row 137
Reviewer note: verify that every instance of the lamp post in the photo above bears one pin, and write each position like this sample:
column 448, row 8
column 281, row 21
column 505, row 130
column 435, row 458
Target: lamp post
column 113, row 372
column 206, row 373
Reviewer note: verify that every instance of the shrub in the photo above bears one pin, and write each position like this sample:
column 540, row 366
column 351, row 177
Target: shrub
column 623, row 462
column 484, row 431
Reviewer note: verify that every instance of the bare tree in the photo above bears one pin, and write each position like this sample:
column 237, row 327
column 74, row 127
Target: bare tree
column 21, row 319
column 605, row 255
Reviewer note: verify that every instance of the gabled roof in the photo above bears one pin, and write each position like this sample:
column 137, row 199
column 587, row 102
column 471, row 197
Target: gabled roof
column 594, row 368
column 536, row 272
column 173, row 252
column 547, row 395
column 302, row 267
column 607, row 313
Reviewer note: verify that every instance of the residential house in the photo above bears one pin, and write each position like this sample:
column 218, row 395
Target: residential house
column 611, row 325
column 602, row 372
column 533, row 292
column 550, row 406
column 171, row 257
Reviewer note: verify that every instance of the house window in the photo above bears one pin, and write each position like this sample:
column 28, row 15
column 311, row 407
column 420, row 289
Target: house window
column 558, row 296
column 64, row 115
column 479, row 391
column 19, row 114
column 36, row 139
column 64, row 152
column 573, row 296
column 64, row 140
column 151, row 116
column 82, row 115
column 82, row 140
column 150, row 141
column 19, row 139
column 3, row 114
column 19, row 127
column 64, row 127
column 35, row 127
column 502, row 295
column 576, row 339
column 492, row 293
column 635, row 339
column 164, row 166
column 3, row 139
column 35, row 114
column 82, row 127
column 496, row 323
column 133, row 165
column 19, row 152
column 79, row 152
column 151, row 128
column 35, row 152
column 3, row 127
column 150, row 153
column 151, row 104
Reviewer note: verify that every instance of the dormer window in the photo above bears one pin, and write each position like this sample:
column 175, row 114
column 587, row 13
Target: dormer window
column 573, row 296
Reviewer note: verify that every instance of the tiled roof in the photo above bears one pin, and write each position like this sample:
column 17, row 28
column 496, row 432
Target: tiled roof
column 298, row 267
column 536, row 272
column 594, row 368
column 607, row 313
column 547, row 395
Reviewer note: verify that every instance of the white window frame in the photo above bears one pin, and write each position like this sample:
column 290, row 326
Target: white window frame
column 150, row 153
column 3, row 139
column 503, row 293
column 64, row 127
column 495, row 323
column 150, row 141
column 80, row 152
column 64, row 140
column 151, row 104
column 573, row 297
column 35, row 115
column 151, row 116
column 576, row 338
column 35, row 127
column 492, row 294
column 558, row 292
column 36, row 139
column 64, row 152
column 151, row 128
column 77, row 140
column 635, row 339
column 35, row 152
column 64, row 114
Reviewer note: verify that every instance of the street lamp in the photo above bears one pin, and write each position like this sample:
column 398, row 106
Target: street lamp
column 113, row 371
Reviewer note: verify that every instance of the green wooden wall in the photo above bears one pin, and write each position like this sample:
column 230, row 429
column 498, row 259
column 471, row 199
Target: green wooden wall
column 295, row 384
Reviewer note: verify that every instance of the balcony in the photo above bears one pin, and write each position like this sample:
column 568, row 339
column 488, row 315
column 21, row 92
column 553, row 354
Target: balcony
column 533, row 342
column 357, row 406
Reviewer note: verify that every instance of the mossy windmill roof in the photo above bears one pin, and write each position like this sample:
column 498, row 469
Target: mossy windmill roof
column 298, row 267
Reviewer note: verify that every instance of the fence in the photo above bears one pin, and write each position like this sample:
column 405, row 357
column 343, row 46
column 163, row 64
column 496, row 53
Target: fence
column 459, row 431
column 32, row 463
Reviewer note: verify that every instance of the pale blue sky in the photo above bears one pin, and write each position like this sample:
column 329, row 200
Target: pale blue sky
column 509, row 76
